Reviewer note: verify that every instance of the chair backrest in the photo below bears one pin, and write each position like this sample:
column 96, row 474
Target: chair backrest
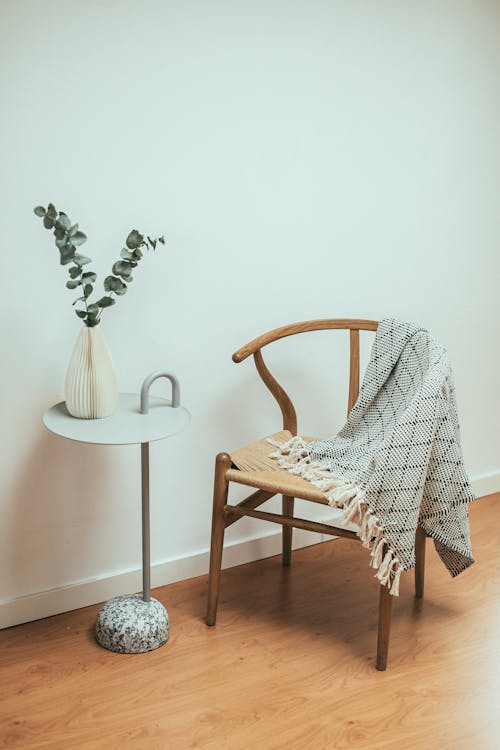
column 287, row 408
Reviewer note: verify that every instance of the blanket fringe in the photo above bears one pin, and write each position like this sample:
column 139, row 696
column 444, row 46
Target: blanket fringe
column 349, row 497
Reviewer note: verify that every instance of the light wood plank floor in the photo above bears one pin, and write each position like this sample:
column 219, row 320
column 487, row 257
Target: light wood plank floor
column 290, row 663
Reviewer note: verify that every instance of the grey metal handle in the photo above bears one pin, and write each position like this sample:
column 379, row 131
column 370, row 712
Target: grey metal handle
column 176, row 389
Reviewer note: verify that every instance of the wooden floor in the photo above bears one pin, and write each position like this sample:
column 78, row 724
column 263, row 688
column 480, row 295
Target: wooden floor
column 290, row 663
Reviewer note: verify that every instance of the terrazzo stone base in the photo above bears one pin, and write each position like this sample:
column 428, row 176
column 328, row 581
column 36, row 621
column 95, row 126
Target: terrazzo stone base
column 129, row 625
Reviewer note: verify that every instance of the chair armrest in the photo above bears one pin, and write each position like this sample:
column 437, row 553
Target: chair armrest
column 352, row 324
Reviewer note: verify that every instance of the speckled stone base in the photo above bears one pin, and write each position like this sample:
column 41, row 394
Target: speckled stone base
column 129, row 625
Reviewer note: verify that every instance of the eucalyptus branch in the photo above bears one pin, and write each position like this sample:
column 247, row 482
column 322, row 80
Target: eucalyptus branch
column 68, row 237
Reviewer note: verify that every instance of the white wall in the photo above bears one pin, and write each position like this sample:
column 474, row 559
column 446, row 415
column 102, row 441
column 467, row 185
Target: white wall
column 305, row 159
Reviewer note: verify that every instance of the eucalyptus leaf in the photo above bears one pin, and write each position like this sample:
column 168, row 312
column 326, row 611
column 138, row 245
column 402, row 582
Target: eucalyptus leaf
column 51, row 211
column 93, row 309
column 82, row 260
column 113, row 284
column 81, row 313
column 39, row 211
column 62, row 222
column 48, row 223
column 79, row 238
column 106, row 302
column 75, row 271
column 87, row 290
column 67, row 253
column 72, row 284
column 134, row 239
column 121, row 290
column 122, row 268
column 126, row 254
column 89, row 277
column 73, row 230
column 66, row 258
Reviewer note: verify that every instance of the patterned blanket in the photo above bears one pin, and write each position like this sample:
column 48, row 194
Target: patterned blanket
column 397, row 462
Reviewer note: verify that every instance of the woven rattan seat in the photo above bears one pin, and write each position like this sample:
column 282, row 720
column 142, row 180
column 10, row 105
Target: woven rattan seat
column 254, row 468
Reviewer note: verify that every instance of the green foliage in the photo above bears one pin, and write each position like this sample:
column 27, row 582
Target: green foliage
column 106, row 302
column 122, row 268
column 68, row 237
column 81, row 260
column 78, row 238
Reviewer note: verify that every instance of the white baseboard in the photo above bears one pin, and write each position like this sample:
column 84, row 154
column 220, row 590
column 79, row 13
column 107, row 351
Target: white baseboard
column 83, row 593
column 486, row 484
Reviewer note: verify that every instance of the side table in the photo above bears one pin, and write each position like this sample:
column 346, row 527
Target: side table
column 130, row 624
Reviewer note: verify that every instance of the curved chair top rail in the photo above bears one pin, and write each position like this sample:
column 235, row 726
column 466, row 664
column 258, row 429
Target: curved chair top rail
column 352, row 324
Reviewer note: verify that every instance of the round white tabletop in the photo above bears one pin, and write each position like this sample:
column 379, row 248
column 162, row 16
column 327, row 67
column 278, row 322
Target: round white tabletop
column 126, row 426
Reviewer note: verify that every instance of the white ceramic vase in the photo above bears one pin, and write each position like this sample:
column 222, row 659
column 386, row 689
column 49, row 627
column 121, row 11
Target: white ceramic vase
column 91, row 390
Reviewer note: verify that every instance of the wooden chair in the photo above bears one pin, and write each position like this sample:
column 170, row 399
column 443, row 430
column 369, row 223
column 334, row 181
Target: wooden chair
column 268, row 479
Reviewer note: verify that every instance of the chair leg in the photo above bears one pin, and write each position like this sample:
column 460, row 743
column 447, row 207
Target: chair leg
column 384, row 627
column 287, row 506
column 222, row 464
column 420, row 562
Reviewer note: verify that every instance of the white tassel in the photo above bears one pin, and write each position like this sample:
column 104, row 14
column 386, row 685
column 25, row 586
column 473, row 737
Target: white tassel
column 366, row 530
column 363, row 531
column 384, row 566
column 394, row 590
column 325, row 485
column 352, row 511
column 348, row 496
column 384, row 580
column 377, row 552
column 289, row 445
column 371, row 526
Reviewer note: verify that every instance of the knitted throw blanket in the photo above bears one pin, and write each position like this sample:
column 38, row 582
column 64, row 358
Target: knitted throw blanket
column 397, row 461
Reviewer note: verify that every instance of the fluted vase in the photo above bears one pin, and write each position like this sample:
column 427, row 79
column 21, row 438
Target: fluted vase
column 91, row 390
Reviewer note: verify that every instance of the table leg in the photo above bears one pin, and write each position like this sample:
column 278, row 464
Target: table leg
column 133, row 624
column 146, row 580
